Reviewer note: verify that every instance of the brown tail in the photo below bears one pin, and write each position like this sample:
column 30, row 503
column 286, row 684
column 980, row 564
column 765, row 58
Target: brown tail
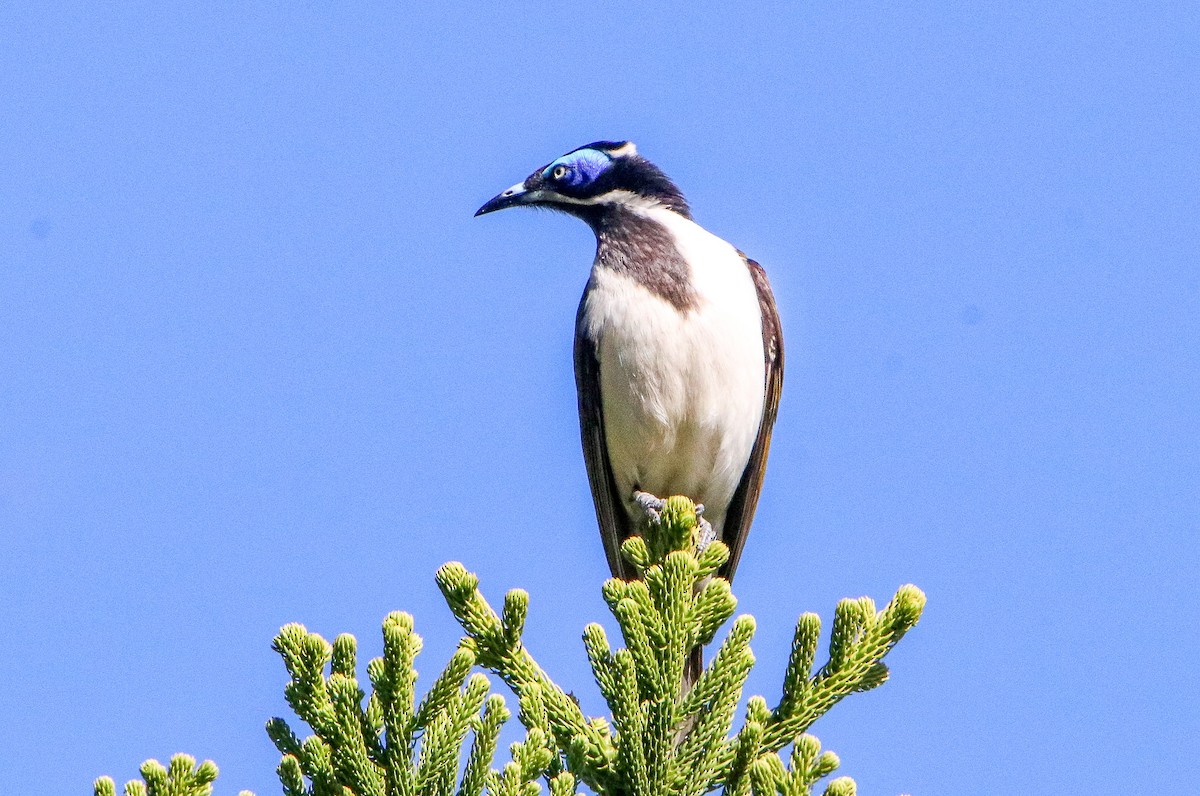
column 693, row 668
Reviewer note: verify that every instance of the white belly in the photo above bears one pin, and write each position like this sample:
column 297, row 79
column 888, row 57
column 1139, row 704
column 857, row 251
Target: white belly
column 682, row 393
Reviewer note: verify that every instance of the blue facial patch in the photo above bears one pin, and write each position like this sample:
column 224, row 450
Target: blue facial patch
column 583, row 166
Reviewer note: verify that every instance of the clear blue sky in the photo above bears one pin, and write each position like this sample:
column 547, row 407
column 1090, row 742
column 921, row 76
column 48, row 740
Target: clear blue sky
column 259, row 364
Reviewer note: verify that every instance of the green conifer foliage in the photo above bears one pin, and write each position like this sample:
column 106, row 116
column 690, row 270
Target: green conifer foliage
column 182, row 778
column 390, row 744
column 660, row 740
column 664, row 741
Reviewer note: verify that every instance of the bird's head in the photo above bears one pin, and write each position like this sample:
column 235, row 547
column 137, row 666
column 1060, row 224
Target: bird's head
column 585, row 181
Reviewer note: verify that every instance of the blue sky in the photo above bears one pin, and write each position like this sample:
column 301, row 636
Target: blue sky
column 259, row 364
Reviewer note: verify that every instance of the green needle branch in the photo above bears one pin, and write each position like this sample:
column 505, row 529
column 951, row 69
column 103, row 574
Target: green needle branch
column 660, row 739
column 182, row 778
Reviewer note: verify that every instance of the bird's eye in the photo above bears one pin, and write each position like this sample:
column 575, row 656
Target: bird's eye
column 559, row 172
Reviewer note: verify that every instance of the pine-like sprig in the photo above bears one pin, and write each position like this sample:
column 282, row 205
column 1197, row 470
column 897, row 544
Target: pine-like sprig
column 394, row 745
column 182, row 777
column 661, row 739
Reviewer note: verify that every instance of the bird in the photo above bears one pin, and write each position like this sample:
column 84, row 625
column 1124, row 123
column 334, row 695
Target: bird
column 678, row 350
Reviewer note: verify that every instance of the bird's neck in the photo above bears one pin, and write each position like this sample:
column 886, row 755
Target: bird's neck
column 631, row 242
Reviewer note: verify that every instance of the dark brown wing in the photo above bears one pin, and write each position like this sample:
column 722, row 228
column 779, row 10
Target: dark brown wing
column 745, row 499
column 610, row 513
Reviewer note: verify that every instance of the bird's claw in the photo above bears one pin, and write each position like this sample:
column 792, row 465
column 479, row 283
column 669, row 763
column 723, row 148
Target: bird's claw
column 650, row 504
column 705, row 535
column 653, row 506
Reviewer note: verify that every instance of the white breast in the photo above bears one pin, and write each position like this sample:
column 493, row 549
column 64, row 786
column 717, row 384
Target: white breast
column 682, row 392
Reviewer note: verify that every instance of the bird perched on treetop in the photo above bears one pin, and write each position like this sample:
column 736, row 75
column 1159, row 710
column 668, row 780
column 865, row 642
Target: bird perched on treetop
column 678, row 351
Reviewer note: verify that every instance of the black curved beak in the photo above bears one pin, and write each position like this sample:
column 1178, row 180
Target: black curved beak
column 516, row 195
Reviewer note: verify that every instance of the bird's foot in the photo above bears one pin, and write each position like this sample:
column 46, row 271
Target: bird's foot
column 705, row 535
column 650, row 504
column 653, row 506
